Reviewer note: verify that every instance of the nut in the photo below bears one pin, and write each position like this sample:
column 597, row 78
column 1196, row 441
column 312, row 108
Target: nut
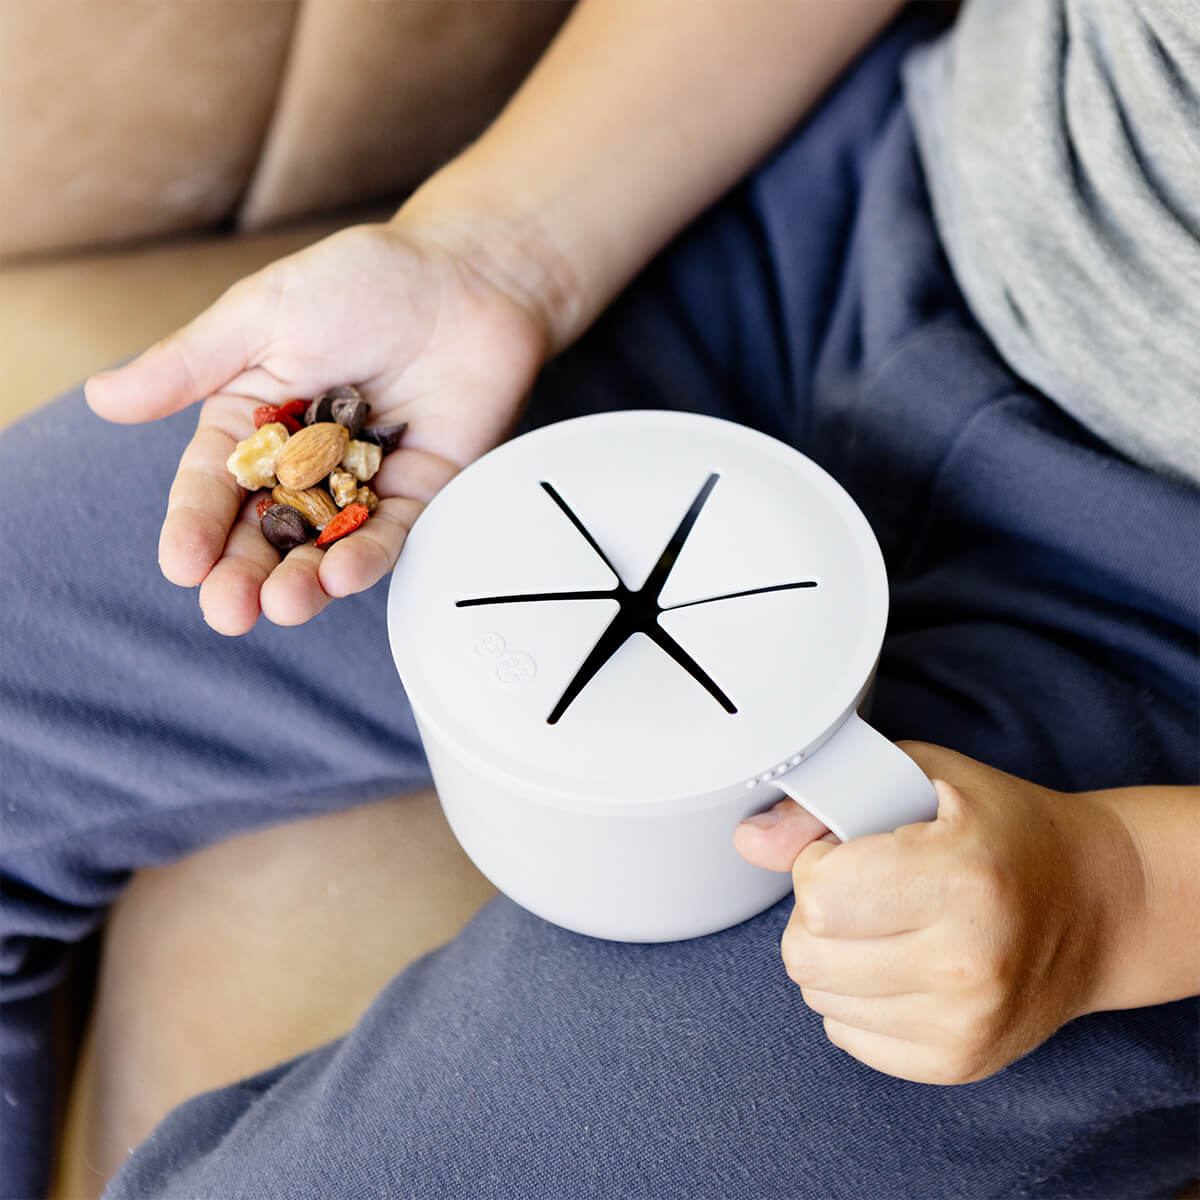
column 311, row 454
column 342, row 486
column 366, row 498
column 313, row 504
column 362, row 460
column 283, row 527
column 254, row 460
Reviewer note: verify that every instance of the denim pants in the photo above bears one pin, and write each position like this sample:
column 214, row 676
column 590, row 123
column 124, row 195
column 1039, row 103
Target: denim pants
column 1044, row 618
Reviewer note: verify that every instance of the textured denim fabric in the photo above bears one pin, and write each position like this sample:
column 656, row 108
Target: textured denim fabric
column 1044, row 620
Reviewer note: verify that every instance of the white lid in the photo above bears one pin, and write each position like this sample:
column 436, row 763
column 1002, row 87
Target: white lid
column 501, row 682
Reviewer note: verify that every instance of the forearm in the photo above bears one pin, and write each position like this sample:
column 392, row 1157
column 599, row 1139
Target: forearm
column 638, row 116
column 1153, row 951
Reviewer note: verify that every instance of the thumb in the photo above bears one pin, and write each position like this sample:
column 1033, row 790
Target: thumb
column 189, row 365
column 952, row 804
column 774, row 838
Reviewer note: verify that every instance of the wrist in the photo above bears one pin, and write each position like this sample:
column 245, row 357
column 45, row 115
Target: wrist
column 1152, row 956
column 503, row 238
column 1113, row 912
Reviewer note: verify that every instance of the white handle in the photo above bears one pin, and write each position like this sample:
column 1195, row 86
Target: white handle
column 858, row 782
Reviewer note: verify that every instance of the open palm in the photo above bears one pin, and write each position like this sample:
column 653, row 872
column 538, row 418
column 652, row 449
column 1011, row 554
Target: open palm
column 424, row 335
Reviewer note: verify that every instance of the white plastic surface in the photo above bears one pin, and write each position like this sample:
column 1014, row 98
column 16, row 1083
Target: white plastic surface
column 793, row 662
column 616, row 819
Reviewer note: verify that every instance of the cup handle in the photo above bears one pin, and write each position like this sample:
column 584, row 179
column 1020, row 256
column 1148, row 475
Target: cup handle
column 858, row 782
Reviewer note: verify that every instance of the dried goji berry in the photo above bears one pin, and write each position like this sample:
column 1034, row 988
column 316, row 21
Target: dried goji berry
column 285, row 415
column 262, row 506
column 347, row 521
column 294, row 408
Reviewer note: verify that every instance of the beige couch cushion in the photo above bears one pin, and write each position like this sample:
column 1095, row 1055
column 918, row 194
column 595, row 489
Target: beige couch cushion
column 376, row 95
column 124, row 119
column 61, row 320
column 129, row 118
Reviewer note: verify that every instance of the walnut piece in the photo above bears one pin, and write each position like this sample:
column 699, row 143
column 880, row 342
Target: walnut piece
column 342, row 486
column 362, row 460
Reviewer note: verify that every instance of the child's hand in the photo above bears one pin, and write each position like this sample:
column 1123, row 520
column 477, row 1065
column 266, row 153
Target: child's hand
column 943, row 951
column 426, row 335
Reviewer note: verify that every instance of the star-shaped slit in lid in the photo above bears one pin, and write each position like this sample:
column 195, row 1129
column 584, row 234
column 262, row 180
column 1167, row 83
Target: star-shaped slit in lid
column 637, row 611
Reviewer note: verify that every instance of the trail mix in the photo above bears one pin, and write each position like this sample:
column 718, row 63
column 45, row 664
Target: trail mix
column 318, row 458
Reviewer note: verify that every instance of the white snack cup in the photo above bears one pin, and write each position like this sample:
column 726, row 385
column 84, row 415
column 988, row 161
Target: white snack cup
column 624, row 633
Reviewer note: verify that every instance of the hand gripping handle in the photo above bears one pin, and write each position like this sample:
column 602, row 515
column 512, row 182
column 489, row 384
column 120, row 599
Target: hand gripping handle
column 858, row 782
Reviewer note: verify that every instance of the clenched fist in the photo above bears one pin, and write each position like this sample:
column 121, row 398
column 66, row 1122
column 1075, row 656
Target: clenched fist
column 943, row 951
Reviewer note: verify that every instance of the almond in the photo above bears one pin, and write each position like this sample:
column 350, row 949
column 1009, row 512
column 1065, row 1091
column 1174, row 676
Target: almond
column 308, row 456
column 314, row 505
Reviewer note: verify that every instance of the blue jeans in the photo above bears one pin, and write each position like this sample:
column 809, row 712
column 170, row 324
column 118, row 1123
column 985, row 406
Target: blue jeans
column 1043, row 620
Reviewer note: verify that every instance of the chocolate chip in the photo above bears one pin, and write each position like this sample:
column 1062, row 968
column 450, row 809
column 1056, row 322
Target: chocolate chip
column 283, row 527
column 386, row 437
column 321, row 409
column 351, row 412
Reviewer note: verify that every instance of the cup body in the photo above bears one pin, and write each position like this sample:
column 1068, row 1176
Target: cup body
column 635, row 874
column 598, row 782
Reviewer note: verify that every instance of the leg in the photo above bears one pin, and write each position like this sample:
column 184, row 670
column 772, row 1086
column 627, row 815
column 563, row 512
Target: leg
column 251, row 952
column 523, row 1060
column 131, row 733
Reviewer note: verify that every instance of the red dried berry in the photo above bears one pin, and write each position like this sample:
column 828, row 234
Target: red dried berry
column 294, row 409
column 262, row 506
column 266, row 414
column 347, row 521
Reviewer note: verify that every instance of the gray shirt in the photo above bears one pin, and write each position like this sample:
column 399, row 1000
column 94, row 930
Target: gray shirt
column 1061, row 142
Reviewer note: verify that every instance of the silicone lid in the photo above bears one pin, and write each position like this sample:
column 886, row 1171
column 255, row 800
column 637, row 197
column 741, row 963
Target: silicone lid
column 636, row 606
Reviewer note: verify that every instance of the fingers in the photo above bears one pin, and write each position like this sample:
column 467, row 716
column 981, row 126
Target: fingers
column 293, row 594
column 229, row 595
column 901, row 1016
column 909, row 1036
column 244, row 576
column 885, row 966
column 891, row 1055
column 774, row 838
column 921, row 1061
column 196, row 361
column 407, row 481
column 359, row 561
column 871, row 886
column 205, row 499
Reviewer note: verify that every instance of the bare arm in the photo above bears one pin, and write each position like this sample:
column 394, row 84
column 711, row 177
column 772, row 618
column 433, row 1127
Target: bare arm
column 1154, row 955
column 640, row 114
column 637, row 118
